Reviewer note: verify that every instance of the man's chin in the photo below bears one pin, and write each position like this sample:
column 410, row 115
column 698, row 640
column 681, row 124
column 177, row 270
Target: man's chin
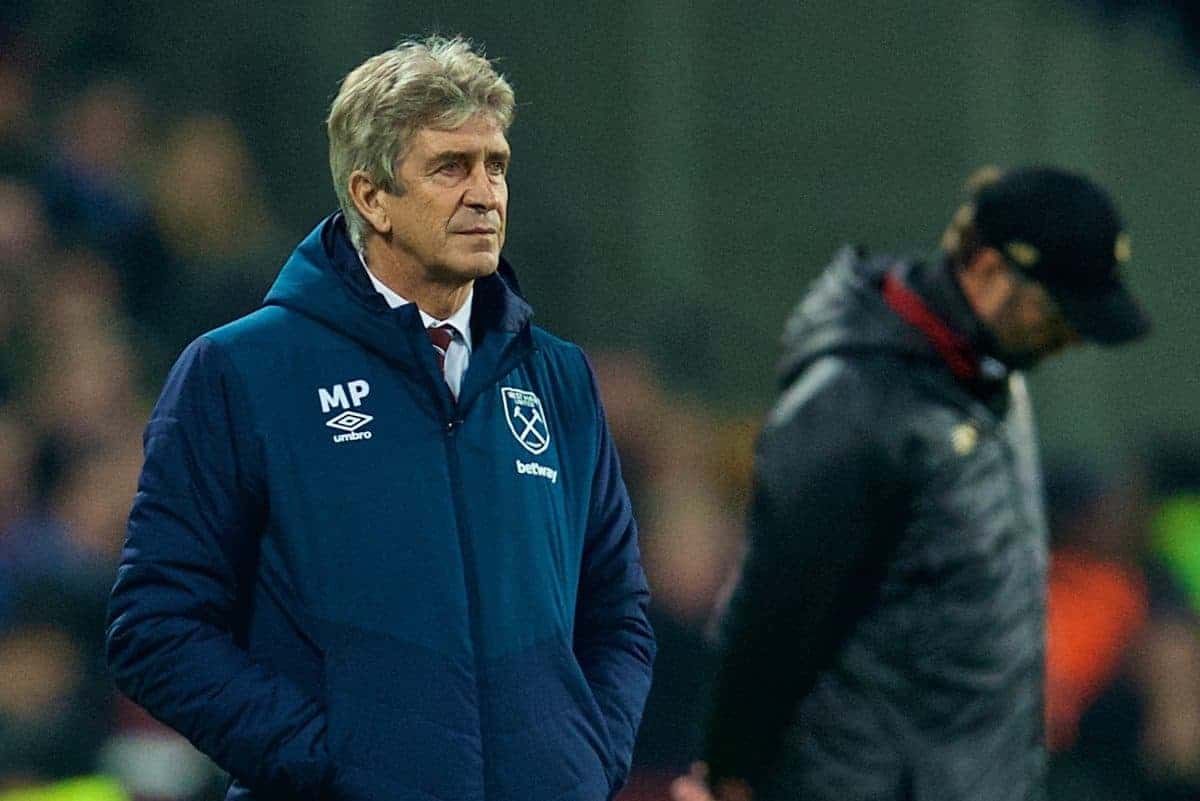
column 470, row 269
column 483, row 269
column 1025, row 360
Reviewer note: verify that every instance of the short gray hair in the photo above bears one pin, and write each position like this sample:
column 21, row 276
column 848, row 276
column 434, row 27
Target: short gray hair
column 428, row 83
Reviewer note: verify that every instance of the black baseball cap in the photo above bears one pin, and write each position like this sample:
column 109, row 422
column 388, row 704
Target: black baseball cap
column 1063, row 231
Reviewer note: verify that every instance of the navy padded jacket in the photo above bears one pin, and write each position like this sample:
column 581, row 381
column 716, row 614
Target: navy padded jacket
column 340, row 584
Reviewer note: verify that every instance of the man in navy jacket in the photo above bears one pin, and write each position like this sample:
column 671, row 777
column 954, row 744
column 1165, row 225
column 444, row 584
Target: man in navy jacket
column 381, row 548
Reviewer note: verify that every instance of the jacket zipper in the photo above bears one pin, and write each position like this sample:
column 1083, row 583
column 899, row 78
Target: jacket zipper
column 456, row 419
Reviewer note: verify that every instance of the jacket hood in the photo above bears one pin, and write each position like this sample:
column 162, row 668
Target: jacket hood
column 324, row 280
column 844, row 312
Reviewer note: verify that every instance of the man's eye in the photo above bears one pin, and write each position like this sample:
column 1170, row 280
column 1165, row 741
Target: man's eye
column 497, row 167
column 450, row 167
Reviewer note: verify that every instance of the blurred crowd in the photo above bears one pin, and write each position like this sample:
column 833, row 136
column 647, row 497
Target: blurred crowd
column 127, row 229
column 1123, row 662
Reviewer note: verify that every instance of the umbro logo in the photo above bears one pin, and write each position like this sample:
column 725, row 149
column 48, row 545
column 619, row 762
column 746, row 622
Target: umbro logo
column 348, row 422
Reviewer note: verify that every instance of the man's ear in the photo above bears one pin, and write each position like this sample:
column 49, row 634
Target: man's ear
column 368, row 199
column 987, row 280
column 987, row 264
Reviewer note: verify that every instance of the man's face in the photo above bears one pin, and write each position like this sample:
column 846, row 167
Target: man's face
column 1028, row 325
column 449, row 221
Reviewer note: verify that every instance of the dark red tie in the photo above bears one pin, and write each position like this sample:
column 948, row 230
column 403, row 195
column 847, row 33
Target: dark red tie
column 441, row 336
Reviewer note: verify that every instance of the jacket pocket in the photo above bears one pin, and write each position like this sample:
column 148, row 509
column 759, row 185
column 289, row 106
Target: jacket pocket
column 354, row 783
column 582, row 692
column 545, row 734
column 402, row 715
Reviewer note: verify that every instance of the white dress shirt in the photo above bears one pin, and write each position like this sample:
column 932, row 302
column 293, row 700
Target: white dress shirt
column 458, row 355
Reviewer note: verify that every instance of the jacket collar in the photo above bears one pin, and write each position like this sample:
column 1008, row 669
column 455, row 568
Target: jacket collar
column 324, row 280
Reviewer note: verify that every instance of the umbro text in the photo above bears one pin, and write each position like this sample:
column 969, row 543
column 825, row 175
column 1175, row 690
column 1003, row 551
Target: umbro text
column 352, row 436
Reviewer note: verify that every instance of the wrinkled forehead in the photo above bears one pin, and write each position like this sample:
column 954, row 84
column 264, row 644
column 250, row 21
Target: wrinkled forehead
column 481, row 134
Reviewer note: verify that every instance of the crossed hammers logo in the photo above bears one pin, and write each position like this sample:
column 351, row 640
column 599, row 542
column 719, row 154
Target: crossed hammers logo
column 530, row 431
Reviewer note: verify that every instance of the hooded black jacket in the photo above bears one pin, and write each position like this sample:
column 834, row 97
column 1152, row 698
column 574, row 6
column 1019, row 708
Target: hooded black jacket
column 885, row 641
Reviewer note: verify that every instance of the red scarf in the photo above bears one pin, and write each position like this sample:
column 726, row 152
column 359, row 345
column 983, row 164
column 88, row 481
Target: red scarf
column 953, row 347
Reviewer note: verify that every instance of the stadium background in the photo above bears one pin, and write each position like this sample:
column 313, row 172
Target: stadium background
column 681, row 172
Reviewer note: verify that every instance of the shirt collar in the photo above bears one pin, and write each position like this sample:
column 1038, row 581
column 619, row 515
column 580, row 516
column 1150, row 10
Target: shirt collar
column 460, row 321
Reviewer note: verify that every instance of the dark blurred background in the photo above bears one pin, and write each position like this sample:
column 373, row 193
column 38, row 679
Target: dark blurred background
column 681, row 172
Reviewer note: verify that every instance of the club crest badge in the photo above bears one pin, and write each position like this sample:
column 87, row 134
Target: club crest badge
column 526, row 418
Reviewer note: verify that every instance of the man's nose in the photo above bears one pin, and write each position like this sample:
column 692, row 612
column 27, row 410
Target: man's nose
column 481, row 191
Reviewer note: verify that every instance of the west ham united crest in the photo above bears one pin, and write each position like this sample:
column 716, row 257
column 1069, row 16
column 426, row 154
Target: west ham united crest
column 526, row 418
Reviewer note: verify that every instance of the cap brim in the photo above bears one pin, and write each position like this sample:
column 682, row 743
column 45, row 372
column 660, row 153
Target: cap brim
column 1108, row 315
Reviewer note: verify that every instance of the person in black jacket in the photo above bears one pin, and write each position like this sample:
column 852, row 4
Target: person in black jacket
column 886, row 638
